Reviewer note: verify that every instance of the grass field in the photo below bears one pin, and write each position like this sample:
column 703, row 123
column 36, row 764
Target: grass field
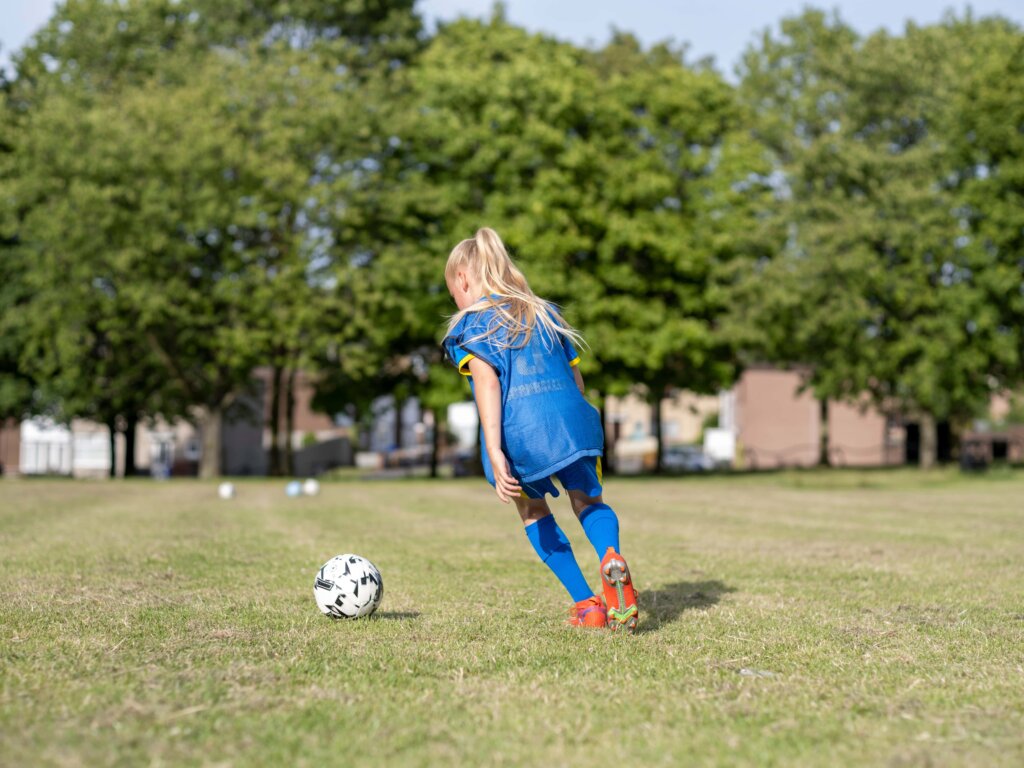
column 798, row 619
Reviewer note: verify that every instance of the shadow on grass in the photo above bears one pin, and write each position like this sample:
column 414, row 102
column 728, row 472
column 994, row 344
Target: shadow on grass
column 664, row 605
column 395, row 615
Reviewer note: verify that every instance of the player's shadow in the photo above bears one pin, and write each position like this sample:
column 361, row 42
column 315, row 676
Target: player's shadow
column 666, row 604
column 396, row 615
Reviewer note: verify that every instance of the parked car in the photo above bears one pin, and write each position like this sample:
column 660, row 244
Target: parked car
column 686, row 458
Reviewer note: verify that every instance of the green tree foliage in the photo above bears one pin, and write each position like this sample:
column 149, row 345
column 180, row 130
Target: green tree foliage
column 988, row 142
column 357, row 34
column 874, row 288
column 687, row 204
column 184, row 203
column 102, row 45
column 173, row 155
column 190, row 189
column 65, row 333
column 17, row 386
column 623, row 182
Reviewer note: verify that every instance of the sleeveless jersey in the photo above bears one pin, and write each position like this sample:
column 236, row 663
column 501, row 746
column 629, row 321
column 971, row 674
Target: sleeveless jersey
column 546, row 424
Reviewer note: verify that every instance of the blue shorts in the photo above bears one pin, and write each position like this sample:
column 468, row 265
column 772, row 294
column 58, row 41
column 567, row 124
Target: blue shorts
column 583, row 475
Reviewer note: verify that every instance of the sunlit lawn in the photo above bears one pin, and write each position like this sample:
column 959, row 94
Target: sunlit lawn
column 796, row 619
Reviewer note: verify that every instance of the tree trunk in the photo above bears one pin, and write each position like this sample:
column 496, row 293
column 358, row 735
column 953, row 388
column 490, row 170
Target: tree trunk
column 209, row 422
column 929, row 441
column 398, row 423
column 435, row 442
column 130, row 427
column 607, row 458
column 289, row 423
column 274, row 459
column 824, row 459
column 112, row 429
column 659, row 467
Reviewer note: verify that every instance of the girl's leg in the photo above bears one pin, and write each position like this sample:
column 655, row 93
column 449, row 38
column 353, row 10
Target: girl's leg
column 599, row 521
column 532, row 510
column 552, row 547
column 601, row 525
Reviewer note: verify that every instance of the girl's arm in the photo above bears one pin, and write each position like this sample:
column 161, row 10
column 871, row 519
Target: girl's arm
column 579, row 378
column 487, row 391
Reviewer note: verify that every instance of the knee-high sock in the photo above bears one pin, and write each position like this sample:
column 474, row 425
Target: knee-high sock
column 554, row 549
column 601, row 525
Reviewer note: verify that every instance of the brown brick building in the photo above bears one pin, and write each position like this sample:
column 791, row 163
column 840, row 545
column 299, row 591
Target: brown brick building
column 772, row 421
column 777, row 425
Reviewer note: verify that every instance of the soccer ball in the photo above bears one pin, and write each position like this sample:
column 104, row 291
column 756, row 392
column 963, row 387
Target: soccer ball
column 311, row 487
column 226, row 490
column 348, row 587
column 293, row 489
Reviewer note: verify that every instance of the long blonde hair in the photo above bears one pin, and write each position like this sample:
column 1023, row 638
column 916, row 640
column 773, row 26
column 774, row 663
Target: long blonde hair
column 517, row 309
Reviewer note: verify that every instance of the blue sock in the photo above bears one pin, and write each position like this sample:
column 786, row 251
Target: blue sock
column 601, row 525
column 554, row 549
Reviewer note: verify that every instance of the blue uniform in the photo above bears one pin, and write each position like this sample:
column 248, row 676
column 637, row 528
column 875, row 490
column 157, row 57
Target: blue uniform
column 547, row 425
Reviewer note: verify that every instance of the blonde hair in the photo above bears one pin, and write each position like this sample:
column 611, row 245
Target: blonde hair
column 517, row 309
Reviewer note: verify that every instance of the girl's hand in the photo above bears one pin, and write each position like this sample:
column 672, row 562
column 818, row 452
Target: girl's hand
column 505, row 485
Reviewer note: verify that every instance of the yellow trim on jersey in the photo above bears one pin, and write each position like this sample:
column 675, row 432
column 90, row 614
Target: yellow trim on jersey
column 600, row 474
column 464, row 362
column 576, row 361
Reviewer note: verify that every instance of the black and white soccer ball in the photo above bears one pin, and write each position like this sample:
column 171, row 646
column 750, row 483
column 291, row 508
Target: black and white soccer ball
column 348, row 587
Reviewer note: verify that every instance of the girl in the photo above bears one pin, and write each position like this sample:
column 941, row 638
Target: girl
column 535, row 424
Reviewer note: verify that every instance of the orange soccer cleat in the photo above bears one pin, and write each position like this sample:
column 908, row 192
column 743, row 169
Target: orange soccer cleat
column 619, row 594
column 588, row 613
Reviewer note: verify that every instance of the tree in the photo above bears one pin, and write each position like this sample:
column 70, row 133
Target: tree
column 621, row 181
column 687, row 204
column 227, row 115
column 89, row 362
column 988, row 144
column 104, row 45
column 872, row 288
column 17, row 386
column 181, row 202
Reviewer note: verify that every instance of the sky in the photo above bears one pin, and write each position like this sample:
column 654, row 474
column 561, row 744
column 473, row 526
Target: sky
column 718, row 28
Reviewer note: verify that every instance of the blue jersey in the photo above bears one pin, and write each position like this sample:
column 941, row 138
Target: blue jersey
column 546, row 424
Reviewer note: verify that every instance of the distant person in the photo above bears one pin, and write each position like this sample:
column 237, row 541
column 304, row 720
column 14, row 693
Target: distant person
column 521, row 358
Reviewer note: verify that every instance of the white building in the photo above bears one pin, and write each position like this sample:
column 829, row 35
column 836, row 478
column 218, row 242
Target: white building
column 53, row 449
